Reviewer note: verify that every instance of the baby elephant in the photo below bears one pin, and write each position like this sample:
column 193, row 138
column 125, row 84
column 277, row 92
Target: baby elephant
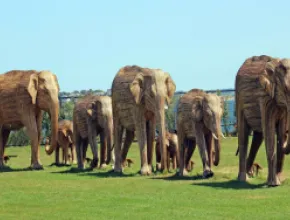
column 172, row 150
column 65, row 141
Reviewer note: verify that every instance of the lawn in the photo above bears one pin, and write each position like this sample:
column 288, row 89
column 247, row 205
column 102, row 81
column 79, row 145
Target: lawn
column 60, row 193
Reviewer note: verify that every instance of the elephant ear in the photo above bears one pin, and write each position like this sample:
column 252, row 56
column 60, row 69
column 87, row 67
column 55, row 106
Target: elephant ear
column 197, row 109
column 171, row 87
column 33, row 87
column 64, row 132
column 136, row 88
column 95, row 109
column 265, row 79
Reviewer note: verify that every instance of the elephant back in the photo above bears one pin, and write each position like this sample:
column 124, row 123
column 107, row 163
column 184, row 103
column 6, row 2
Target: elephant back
column 249, row 90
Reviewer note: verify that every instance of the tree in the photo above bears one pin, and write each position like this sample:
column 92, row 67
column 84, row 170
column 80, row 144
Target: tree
column 66, row 111
column 225, row 116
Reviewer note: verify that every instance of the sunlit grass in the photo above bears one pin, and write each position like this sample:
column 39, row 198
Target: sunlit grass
column 62, row 193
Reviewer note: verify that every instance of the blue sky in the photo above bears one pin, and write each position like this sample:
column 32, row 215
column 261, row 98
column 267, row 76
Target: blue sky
column 200, row 43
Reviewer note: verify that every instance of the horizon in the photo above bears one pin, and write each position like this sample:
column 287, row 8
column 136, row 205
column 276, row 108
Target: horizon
column 201, row 44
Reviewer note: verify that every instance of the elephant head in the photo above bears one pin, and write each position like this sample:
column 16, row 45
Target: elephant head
column 276, row 82
column 154, row 89
column 43, row 88
column 208, row 110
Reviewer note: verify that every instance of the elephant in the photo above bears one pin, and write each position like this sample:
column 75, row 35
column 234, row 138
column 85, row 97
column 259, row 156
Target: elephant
column 262, row 87
column 139, row 98
column 65, row 141
column 171, row 143
column 24, row 95
column 92, row 116
column 199, row 122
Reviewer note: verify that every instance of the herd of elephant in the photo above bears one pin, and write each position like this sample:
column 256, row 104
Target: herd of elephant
column 137, row 108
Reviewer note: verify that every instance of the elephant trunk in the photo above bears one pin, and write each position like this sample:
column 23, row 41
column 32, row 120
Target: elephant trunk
column 54, row 129
column 217, row 134
column 162, row 134
column 287, row 148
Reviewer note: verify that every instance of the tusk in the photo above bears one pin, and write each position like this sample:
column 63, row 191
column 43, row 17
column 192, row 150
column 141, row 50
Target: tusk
column 223, row 135
column 215, row 137
column 165, row 106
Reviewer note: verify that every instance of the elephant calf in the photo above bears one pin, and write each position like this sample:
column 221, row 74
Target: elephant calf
column 171, row 143
column 199, row 122
column 65, row 141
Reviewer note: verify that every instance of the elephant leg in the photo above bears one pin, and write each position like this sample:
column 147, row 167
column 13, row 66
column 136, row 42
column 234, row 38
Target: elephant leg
column 201, row 143
column 191, row 145
column 243, row 139
column 269, row 130
column 158, row 156
column 128, row 141
column 65, row 154
column 150, row 130
column 85, row 144
column 30, row 123
column 3, row 140
column 174, row 162
column 209, row 147
column 92, row 134
column 73, row 154
column 140, row 124
column 78, row 143
column 281, row 139
column 57, row 155
column 181, row 139
column 103, row 149
column 256, row 143
column 168, row 159
column 118, row 133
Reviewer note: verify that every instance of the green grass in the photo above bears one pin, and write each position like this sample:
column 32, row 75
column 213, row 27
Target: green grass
column 60, row 193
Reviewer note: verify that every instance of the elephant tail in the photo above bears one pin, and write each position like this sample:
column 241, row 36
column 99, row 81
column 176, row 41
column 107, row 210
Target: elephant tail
column 237, row 152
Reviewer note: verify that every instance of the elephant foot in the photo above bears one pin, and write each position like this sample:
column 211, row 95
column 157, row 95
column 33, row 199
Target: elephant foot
column 94, row 163
column 183, row 173
column 103, row 166
column 207, row 174
column 145, row 170
column 158, row 166
column 242, row 177
column 36, row 166
column 81, row 166
column 273, row 182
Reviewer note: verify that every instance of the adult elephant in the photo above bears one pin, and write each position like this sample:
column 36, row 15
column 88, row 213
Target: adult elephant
column 262, row 102
column 23, row 96
column 65, row 141
column 92, row 116
column 199, row 122
column 139, row 97
column 171, row 142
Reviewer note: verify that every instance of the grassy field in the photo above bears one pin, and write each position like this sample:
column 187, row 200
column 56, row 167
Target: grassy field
column 60, row 193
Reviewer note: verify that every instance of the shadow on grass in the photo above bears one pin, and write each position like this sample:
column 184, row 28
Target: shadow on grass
column 9, row 169
column 92, row 172
column 231, row 184
column 176, row 177
column 109, row 174
column 59, row 165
